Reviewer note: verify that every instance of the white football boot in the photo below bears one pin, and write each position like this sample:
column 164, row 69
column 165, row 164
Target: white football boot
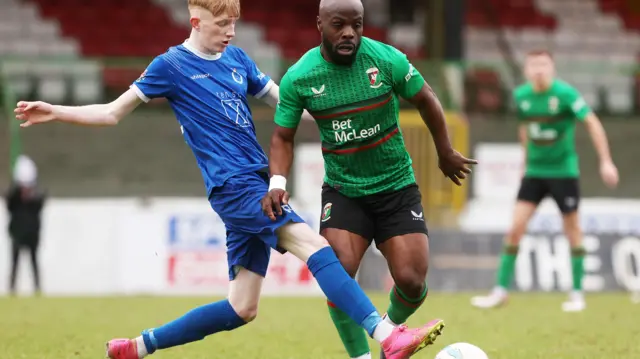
column 575, row 303
column 498, row 297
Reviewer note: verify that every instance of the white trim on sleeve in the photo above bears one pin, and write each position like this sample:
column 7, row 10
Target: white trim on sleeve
column 139, row 92
column 265, row 89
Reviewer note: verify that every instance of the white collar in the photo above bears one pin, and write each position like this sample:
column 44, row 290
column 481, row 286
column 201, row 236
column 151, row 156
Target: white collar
column 200, row 54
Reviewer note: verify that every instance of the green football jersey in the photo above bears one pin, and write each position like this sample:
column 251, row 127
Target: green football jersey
column 356, row 109
column 551, row 118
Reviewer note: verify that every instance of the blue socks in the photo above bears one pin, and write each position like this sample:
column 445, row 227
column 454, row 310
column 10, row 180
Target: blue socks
column 208, row 319
column 193, row 326
column 342, row 290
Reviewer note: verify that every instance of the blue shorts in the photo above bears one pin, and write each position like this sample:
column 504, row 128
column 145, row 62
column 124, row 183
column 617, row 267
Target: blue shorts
column 250, row 233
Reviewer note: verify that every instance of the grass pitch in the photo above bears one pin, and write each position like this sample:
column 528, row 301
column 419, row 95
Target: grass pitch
column 532, row 326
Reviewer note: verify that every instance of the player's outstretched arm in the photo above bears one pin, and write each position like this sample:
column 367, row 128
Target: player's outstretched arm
column 410, row 85
column 450, row 161
column 31, row 113
column 433, row 116
column 584, row 113
column 608, row 170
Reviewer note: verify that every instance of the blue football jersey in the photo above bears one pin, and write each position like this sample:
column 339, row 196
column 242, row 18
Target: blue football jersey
column 208, row 95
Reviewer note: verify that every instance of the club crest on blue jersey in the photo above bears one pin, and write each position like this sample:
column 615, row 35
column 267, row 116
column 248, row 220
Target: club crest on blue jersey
column 237, row 77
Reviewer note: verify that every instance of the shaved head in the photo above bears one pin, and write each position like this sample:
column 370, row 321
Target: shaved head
column 340, row 22
column 338, row 5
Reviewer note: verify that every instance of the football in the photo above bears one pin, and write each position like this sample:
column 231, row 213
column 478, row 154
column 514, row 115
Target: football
column 461, row 351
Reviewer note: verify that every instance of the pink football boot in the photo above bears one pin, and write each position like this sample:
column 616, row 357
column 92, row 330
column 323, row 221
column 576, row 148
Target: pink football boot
column 122, row 349
column 404, row 342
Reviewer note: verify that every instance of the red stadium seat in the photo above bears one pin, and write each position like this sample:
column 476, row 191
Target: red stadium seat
column 115, row 27
column 628, row 10
column 516, row 14
column 103, row 29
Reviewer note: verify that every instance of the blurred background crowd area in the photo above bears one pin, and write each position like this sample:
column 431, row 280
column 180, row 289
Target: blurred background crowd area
column 88, row 51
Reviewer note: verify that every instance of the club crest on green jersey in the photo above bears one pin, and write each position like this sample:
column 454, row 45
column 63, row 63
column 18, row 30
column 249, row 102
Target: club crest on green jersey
column 372, row 73
column 553, row 104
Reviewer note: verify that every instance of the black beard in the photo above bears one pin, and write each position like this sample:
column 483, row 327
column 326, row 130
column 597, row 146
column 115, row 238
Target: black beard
column 337, row 58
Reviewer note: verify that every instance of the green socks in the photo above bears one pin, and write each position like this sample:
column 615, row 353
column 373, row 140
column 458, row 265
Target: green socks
column 355, row 339
column 352, row 335
column 577, row 267
column 507, row 266
column 401, row 306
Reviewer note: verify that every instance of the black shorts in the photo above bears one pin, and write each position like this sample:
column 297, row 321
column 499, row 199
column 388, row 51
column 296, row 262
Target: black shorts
column 379, row 216
column 565, row 192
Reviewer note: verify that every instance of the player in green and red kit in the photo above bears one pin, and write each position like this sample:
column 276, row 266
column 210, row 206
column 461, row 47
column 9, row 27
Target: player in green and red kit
column 549, row 109
column 352, row 87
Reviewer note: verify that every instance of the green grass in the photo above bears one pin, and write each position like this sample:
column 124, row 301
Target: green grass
column 532, row 326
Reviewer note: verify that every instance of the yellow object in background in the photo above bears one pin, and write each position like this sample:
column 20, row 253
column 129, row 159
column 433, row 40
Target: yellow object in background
column 442, row 199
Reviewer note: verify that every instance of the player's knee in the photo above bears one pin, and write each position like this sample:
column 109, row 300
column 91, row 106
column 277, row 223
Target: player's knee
column 247, row 311
column 310, row 244
column 300, row 240
column 515, row 234
column 571, row 221
column 521, row 216
column 572, row 229
column 249, row 314
column 411, row 279
column 350, row 263
column 317, row 242
column 349, row 260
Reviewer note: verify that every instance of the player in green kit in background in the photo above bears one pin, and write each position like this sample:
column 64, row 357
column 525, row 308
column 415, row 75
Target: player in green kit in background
column 352, row 87
column 549, row 109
